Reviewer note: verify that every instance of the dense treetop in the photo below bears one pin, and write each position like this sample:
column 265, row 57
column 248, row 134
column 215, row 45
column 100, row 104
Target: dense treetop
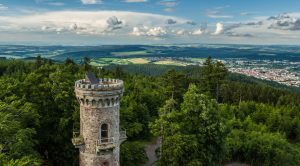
column 204, row 116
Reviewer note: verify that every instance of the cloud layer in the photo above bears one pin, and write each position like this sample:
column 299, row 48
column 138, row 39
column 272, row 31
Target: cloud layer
column 3, row 7
column 116, row 24
column 281, row 26
column 95, row 23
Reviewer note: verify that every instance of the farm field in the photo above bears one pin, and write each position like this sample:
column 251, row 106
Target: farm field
column 118, row 61
column 139, row 60
column 127, row 61
column 170, row 62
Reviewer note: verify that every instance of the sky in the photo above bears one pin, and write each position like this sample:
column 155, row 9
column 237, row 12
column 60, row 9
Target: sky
column 97, row 22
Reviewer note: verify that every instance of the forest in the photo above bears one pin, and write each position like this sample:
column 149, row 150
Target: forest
column 205, row 116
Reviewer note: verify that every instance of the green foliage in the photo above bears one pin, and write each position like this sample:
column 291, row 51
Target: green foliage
column 175, row 84
column 257, row 148
column 38, row 112
column 133, row 154
column 139, row 106
column 17, row 134
column 24, row 161
column 213, row 74
column 261, row 133
column 146, row 69
column 192, row 136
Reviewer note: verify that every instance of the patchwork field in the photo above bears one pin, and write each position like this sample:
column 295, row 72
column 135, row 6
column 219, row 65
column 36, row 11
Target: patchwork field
column 170, row 62
column 119, row 61
column 127, row 61
column 139, row 61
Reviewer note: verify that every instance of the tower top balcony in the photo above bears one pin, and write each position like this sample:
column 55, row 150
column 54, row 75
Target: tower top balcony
column 99, row 93
column 91, row 83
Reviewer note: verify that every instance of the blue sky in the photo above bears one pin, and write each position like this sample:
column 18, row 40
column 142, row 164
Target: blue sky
column 95, row 22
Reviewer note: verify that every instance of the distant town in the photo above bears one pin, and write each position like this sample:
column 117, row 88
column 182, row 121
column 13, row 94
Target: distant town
column 283, row 72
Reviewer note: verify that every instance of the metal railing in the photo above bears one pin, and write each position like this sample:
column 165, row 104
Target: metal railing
column 105, row 141
column 109, row 143
column 105, row 144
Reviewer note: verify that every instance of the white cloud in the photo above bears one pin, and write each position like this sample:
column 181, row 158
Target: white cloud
column 89, row 2
column 278, row 24
column 278, row 28
column 285, row 22
column 96, row 23
column 146, row 26
column 168, row 9
column 154, row 32
column 182, row 32
column 135, row 1
column 218, row 16
column 2, row 7
column 137, row 32
column 219, row 29
column 45, row 28
column 198, row 32
column 157, row 32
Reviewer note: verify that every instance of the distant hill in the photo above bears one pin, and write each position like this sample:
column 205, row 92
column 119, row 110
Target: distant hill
column 291, row 53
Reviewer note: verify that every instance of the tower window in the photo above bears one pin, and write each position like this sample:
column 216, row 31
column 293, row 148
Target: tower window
column 93, row 102
column 104, row 133
column 107, row 102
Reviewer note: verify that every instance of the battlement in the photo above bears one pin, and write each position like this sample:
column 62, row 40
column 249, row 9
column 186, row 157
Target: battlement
column 102, row 93
column 105, row 84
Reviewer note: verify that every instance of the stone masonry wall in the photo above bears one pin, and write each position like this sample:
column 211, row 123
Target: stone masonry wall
column 96, row 108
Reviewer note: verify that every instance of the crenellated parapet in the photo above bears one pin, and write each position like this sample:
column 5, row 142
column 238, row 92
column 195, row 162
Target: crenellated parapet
column 104, row 84
column 106, row 93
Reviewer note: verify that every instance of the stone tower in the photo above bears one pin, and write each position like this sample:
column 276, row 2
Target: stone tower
column 100, row 137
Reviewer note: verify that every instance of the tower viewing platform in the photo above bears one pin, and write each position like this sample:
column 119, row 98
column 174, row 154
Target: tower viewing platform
column 100, row 137
column 101, row 84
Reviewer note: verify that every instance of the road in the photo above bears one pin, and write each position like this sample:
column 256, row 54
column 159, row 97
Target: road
column 150, row 150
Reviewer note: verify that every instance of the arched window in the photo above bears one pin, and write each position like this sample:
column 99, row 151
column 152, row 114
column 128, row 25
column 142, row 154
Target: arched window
column 104, row 133
column 82, row 101
column 113, row 101
column 93, row 102
column 107, row 102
